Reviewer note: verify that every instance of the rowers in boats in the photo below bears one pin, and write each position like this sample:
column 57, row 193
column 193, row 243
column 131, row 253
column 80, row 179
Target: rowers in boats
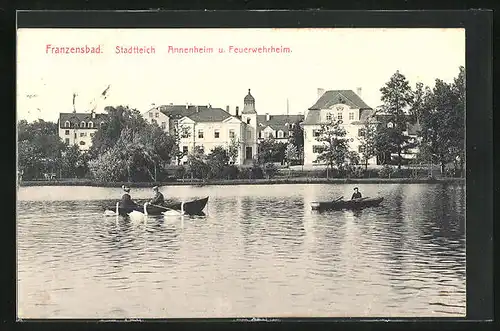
column 356, row 202
column 159, row 207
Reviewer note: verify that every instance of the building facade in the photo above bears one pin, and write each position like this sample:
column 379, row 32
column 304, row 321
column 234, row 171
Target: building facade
column 79, row 128
column 344, row 105
column 278, row 127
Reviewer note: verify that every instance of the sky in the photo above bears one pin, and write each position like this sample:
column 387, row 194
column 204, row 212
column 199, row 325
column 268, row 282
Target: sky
column 332, row 59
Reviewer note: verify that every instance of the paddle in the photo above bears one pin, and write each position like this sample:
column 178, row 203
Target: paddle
column 169, row 209
column 340, row 198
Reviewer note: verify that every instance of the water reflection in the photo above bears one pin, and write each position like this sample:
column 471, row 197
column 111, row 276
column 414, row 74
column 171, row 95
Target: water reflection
column 259, row 251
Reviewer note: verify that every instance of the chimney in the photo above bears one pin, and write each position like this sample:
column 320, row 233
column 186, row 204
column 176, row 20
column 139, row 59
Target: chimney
column 321, row 91
column 171, row 103
column 187, row 105
column 227, row 109
column 197, row 109
column 93, row 115
column 237, row 111
column 358, row 91
column 268, row 117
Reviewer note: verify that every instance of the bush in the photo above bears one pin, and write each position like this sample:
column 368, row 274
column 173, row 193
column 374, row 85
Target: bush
column 244, row 173
column 356, row 172
column 386, row 171
column 257, row 172
column 270, row 170
column 180, row 172
column 230, row 172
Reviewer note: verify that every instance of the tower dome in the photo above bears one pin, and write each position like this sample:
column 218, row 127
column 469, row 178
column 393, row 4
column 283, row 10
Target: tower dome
column 249, row 104
column 249, row 98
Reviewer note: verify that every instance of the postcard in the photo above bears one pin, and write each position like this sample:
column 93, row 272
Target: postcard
column 241, row 173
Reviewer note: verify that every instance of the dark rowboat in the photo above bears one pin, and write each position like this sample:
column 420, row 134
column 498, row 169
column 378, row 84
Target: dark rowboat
column 193, row 207
column 347, row 204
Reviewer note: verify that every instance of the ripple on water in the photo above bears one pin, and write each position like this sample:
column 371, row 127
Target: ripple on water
column 258, row 250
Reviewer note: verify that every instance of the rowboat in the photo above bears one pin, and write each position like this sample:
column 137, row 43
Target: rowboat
column 346, row 204
column 193, row 207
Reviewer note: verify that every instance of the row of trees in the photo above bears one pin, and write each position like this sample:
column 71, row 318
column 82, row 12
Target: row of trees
column 439, row 113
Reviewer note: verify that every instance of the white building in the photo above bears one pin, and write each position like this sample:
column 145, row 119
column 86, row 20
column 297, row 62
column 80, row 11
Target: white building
column 79, row 128
column 205, row 127
column 342, row 105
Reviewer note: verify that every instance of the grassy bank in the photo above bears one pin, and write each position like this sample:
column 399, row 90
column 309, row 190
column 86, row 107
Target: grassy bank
column 303, row 180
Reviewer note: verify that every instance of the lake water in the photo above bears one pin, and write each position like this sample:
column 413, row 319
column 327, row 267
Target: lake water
column 259, row 252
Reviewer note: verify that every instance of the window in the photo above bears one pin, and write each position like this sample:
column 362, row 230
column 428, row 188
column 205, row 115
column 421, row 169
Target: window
column 163, row 125
column 216, row 133
column 67, row 124
column 184, row 132
column 83, row 134
column 361, row 132
column 351, row 116
column 249, row 134
column 150, row 114
column 185, row 149
column 82, row 125
column 361, row 149
column 317, row 149
column 92, row 134
column 154, row 121
column 82, row 142
column 280, row 134
column 329, row 117
column 66, row 141
column 390, row 125
column 200, row 149
column 156, row 114
column 339, row 116
column 248, row 121
column 66, row 132
column 90, row 125
column 200, row 134
column 260, row 134
column 102, row 123
column 269, row 135
column 316, row 133
column 231, row 134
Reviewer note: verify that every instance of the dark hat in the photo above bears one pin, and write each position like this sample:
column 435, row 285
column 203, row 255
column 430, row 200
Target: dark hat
column 126, row 188
column 155, row 188
column 356, row 188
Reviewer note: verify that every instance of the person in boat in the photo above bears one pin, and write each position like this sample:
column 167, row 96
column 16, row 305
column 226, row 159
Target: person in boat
column 356, row 194
column 158, row 198
column 126, row 200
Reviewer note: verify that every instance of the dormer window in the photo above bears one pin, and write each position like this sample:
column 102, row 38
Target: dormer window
column 248, row 121
column 82, row 124
column 280, row 134
column 102, row 124
column 329, row 117
column 67, row 124
column 390, row 125
column 90, row 125
column 351, row 116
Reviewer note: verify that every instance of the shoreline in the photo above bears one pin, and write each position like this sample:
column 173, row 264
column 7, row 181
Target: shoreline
column 248, row 182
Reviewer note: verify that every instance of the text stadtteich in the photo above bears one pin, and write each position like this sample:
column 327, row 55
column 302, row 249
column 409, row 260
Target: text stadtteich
column 84, row 49
column 135, row 50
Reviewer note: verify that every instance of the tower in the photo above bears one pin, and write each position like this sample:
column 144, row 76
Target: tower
column 249, row 118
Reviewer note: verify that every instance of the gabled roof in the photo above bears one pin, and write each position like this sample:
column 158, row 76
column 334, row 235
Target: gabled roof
column 179, row 111
column 333, row 97
column 77, row 118
column 278, row 122
column 209, row 115
column 314, row 116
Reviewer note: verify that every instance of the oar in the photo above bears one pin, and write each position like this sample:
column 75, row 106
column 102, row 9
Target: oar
column 168, row 209
column 340, row 198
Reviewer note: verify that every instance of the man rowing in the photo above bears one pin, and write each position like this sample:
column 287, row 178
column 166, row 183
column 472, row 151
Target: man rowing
column 158, row 198
column 356, row 194
column 126, row 200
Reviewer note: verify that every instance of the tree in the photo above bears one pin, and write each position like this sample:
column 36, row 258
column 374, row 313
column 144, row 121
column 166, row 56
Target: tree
column 118, row 119
column 291, row 154
column 39, row 148
column 217, row 160
column 443, row 123
column 179, row 132
column 297, row 138
column 397, row 96
column 368, row 140
column 334, row 145
column 233, row 150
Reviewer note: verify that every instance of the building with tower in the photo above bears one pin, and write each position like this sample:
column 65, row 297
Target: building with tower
column 249, row 118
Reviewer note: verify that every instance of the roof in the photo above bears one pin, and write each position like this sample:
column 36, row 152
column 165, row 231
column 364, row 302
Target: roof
column 314, row 116
column 77, row 118
column 277, row 122
column 209, row 115
column 333, row 97
column 179, row 111
column 249, row 97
